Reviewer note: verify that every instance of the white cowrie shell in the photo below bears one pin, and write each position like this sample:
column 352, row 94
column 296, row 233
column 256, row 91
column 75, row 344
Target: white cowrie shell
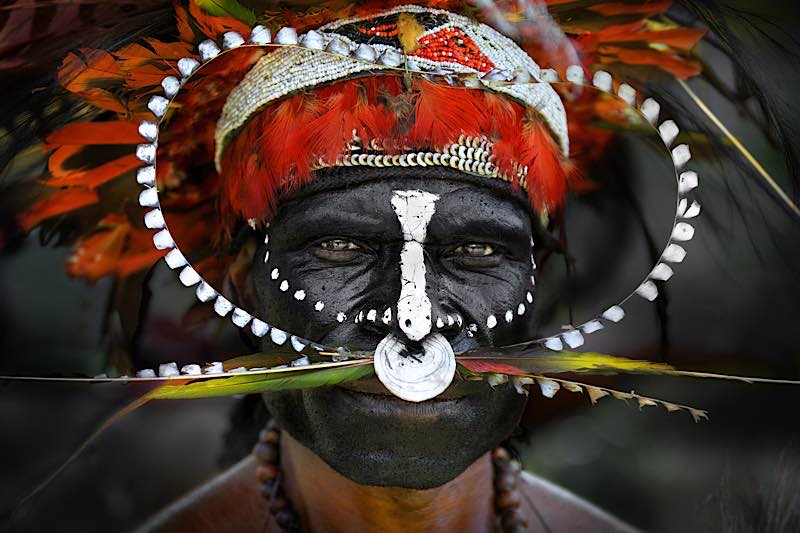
column 231, row 39
column 208, row 50
column 286, row 36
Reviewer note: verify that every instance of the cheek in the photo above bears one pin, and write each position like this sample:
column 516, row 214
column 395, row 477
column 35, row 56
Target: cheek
column 298, row 293
column 498, row 305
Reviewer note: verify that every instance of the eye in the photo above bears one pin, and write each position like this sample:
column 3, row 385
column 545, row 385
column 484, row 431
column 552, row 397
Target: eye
column 476, row 255
column 337, row 250
column 474, row 249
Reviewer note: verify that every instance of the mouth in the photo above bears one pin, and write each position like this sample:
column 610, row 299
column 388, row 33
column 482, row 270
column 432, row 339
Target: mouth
column 383, row 404
column 372, row 386
column 419, row 376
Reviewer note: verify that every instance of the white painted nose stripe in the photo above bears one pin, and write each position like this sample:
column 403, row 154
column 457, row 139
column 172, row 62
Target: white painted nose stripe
column 414, row 210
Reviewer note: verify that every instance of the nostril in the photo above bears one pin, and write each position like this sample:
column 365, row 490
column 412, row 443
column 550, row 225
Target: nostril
column 413, row 348
column 375, row 319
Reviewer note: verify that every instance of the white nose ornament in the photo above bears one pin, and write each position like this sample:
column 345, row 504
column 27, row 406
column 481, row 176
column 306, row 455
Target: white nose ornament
column 415, row 377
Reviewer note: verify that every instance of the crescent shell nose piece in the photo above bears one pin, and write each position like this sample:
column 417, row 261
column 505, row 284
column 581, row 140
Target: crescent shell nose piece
column 415, row 377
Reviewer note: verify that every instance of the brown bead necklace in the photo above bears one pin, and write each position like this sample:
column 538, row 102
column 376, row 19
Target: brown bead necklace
column 507, row 500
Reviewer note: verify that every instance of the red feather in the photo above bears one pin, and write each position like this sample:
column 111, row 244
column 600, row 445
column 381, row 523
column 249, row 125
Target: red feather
column 96, row 176
column 58, row 203
column 442, row 113
column 489, row 367
column 111, row 132
column 546, row 178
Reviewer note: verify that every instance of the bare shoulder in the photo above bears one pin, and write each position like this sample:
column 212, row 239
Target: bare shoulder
column 557, row 509
column 230, row 502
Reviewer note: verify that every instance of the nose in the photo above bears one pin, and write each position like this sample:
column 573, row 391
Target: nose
column 414, row 316
column 380, row 318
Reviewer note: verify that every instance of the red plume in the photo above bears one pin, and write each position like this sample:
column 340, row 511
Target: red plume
column 442, row 113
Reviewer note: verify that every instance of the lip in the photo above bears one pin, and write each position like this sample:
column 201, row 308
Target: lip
column 372, row 385
column 390, row 407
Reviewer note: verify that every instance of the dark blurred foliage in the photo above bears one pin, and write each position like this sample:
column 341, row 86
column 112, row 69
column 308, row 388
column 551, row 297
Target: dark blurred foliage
column 732, row 307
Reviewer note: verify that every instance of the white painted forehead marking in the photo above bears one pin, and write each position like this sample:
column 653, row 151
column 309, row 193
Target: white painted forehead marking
column 414, row 210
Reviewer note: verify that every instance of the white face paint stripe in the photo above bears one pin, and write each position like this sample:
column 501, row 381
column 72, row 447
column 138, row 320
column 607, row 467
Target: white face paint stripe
column 414, row 209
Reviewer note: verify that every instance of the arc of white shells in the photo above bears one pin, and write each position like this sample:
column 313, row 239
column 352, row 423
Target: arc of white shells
column 313, row 40
column 189, row 276
column 650, row 109
column 175, row 259
column 390, row 58
column 231, row 39
column 415, row 377
column 209, row 49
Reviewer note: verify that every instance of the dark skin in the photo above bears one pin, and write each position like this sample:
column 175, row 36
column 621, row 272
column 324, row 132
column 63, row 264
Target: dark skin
column 356, row 458
column 343, row 248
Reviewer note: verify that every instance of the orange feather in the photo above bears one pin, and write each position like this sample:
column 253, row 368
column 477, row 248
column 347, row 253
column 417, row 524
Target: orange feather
column 58, row 203
column 81, row 133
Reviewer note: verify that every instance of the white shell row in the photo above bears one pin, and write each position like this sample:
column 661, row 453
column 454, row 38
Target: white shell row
column 154, row 219
column 207, row 50
column 681, row 231
column 169, row 370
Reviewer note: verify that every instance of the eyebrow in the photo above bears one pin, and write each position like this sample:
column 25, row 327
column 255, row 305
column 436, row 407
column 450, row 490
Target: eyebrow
column 330, row 222
column 488, row 228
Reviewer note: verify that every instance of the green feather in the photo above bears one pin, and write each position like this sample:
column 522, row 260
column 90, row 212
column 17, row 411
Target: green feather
column 227, row 8
column 562, row 362
column 250, row 384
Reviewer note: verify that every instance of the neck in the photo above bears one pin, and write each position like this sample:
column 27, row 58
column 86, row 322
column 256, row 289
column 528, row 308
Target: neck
column 327, row 501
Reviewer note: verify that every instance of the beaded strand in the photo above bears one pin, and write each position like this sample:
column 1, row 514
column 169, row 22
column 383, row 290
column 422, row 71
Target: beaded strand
column 507, row 500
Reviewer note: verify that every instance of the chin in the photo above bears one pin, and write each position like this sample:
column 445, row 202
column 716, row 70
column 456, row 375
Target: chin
column 373, row 438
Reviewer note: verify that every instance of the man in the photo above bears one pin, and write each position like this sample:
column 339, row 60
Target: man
column 411, row 235
column 355, row 458
column 396, row 168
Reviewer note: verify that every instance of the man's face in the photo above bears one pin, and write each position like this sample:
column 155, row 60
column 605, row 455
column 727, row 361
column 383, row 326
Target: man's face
column 335, row 273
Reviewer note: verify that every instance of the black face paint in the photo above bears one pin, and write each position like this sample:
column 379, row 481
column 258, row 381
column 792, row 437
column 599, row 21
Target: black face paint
column 341, row 249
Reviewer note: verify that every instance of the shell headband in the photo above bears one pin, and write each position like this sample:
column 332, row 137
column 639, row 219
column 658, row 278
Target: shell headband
column 338, row 51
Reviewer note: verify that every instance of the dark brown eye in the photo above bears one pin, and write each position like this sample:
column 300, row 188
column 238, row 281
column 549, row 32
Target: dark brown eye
column 337, row 250
column 476, row 255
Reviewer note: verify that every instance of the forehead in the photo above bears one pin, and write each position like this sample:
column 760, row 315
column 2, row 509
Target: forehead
column 461, row 206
